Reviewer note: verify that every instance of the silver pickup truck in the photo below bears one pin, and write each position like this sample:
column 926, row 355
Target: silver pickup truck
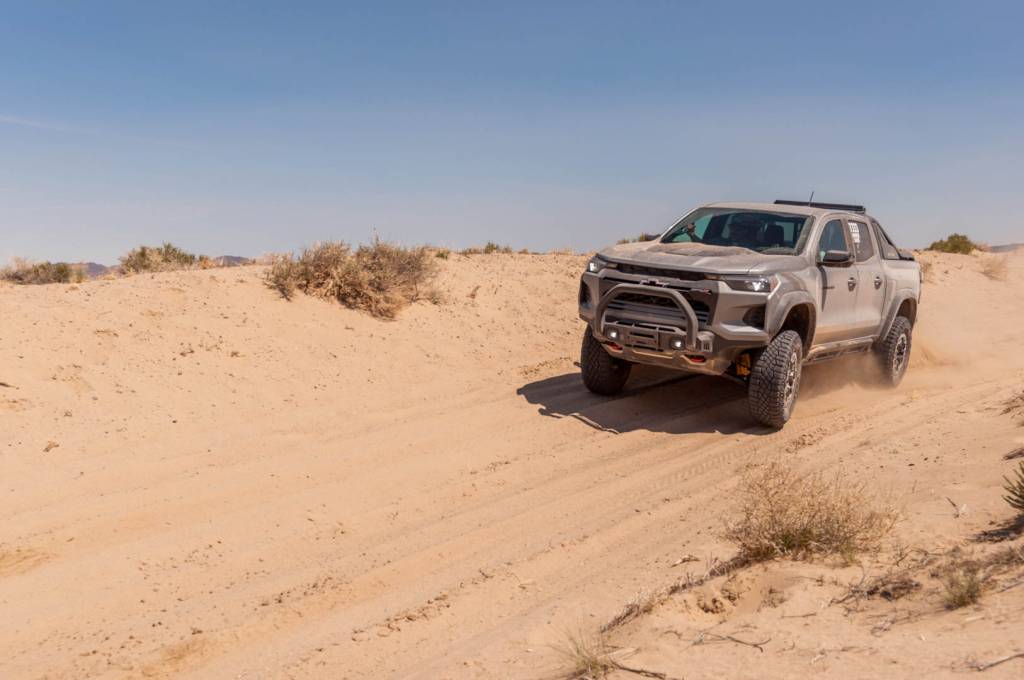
column 751, row 292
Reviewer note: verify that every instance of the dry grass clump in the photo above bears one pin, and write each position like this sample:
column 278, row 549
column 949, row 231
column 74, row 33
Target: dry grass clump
column 994, row 268
column 380, row 278
column 25, row 272
column 963, row 587
column 489, row 248
column 784, row 513
column 167, row 257
column 588, row 657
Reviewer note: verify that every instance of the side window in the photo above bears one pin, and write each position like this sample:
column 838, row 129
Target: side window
column 833, row 237
column 861, row 237
column 886, row 247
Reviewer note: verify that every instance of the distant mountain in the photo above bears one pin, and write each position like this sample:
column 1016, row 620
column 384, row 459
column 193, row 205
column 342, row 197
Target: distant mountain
column 94, row 270
column 231, row 260
column 1007, row 248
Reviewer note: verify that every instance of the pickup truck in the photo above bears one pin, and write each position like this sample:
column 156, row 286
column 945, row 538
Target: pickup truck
column 752, row 292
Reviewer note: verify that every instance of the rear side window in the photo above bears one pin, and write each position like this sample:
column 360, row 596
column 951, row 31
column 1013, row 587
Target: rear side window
column 833, row 237
column 861, row 237
column 887, row 247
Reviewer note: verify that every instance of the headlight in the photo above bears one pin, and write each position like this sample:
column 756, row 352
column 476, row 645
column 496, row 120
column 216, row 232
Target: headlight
column 597, row 263
column 753, row 284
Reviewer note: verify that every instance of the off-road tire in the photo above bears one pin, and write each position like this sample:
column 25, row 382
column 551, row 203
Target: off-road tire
column 602, row 373
column 775, row 380
column 894, row 351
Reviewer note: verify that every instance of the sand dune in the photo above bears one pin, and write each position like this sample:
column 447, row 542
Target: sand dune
column 200, row 479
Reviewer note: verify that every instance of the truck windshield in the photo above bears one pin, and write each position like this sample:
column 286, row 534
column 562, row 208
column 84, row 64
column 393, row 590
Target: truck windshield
column 770, row 233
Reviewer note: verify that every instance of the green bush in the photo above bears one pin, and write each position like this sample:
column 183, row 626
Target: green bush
column 163, row 258
column 955, row 243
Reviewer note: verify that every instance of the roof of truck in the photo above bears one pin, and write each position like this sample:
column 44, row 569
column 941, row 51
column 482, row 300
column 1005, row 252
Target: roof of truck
column 773, row 207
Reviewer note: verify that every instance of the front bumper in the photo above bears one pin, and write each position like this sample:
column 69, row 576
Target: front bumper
column 669, row 332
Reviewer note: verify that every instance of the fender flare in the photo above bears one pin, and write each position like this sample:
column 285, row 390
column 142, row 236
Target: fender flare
column 898, row 299
column 778, row 312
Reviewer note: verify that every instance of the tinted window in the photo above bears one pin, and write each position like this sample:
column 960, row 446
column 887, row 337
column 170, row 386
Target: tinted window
column 833, row 237
column 887, row 247
column 861, row 237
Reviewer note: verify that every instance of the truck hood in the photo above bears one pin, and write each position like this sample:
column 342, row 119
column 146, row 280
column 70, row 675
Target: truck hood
column 702, row 258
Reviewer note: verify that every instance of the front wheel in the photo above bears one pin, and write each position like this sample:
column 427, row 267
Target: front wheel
column 602, row 373
column 894, row 351
column 775, row 380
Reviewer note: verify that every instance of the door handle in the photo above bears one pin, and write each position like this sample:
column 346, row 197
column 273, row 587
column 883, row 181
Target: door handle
column 878, row 282
column 851, row 283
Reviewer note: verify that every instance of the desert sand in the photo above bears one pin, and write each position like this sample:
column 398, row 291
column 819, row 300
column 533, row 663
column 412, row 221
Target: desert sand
column 200, row 479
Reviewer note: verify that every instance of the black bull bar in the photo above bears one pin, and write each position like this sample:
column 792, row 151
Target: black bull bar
column 673, row 295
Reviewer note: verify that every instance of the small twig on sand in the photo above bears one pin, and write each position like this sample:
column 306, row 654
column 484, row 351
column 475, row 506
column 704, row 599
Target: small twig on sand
column 707, row 636
column 1012, row 585
column 985, row 666
column 3, row 384
column 956, row 508
column 643, row 672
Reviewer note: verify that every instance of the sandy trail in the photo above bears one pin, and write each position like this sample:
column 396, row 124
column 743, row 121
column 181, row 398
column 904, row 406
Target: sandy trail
column 238, row 486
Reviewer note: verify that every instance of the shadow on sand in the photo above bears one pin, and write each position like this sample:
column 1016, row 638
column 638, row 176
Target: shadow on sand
column 659, row 400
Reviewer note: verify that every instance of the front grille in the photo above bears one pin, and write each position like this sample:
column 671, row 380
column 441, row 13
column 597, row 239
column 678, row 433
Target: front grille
column 653, row 309
column 639, row 270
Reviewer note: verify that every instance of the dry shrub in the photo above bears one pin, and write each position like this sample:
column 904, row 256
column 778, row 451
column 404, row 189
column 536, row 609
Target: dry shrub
column 489, row 248
column 994, row 268
column 167, row 257
column 784, row 513
column 380, row 278
column 640, row 238
column 963, row 582
column 25, row 272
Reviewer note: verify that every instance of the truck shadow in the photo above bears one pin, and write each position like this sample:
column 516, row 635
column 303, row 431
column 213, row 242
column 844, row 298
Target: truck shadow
column 654, row 400
column 658, row 400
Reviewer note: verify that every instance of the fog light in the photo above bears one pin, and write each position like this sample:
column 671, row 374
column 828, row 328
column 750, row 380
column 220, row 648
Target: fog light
column 613, row 334
column 677, row 344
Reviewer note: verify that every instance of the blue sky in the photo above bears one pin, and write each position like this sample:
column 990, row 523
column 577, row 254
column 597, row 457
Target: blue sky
column 250, row 127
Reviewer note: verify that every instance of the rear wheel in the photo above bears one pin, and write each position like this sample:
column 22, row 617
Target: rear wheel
column 775, row 380
column 602, row 373
column 894, row 351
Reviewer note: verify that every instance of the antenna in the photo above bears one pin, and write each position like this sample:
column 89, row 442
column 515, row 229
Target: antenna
column 811, row 199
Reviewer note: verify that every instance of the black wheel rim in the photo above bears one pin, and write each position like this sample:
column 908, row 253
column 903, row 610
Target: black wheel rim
column 899, row 354
column 792, row 383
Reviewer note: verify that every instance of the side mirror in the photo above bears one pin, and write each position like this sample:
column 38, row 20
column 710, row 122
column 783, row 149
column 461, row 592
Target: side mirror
column 837, row 258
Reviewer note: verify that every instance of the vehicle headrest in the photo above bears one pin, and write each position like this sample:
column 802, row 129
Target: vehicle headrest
column 773, row 235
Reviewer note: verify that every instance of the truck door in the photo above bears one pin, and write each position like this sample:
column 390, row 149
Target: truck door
column 837, row 303
column 871, row 279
